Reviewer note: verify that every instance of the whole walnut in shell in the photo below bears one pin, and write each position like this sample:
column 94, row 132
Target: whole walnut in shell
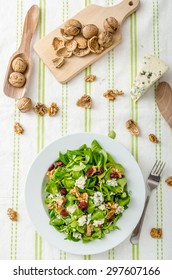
column 19, row 65
column 72, row 27
column 110, row 24
column 24, row 104
column 105, row 39
column 17, row 79
column 90, row 30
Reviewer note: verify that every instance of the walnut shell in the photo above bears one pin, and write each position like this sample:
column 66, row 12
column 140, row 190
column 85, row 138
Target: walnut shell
column 94, row 46
column 57, row 43
column 80, row 52
column 90, row 30
column 71, row 45
column 63, row 52
column 72, row 27
column 110, row 24
column 105, row 39
column 58, row 62
column 82, row 43
column 19, row 65
column 24, row 104
column 17, row 79
column 65, row 36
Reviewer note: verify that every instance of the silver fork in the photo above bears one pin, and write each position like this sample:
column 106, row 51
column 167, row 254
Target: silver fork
column 152, row 183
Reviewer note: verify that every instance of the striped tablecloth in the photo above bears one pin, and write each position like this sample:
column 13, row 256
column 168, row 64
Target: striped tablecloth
column 147, row 31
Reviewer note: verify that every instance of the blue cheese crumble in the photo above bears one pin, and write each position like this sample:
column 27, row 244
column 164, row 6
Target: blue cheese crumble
column 80, row 182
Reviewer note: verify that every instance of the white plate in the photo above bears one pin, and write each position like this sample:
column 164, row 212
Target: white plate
column 35, row 186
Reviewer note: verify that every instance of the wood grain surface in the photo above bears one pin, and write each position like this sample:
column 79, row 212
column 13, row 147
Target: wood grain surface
column 92, row 14
column 30, row 24
column 164, row 101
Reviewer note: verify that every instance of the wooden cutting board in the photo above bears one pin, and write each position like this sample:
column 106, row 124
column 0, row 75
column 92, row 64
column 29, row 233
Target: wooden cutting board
column 92, row 14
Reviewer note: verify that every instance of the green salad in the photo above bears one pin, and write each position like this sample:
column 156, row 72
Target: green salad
column 86, row 193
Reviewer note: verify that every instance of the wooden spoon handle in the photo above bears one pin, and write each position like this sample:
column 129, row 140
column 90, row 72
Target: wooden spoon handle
column 30, row 24
column 125, row 8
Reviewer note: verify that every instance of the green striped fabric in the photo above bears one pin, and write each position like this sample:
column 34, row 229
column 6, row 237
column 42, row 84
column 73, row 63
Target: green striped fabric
column 115, row 70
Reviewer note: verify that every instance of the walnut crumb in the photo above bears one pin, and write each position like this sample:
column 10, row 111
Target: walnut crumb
column 169, row 181
column 12, row 214
column 18, row 129
column 53, row 109
column 153, row 138
column 85, row 102
column 156, row 233
column 40, row 109
column 111, row 94
column 90, row 78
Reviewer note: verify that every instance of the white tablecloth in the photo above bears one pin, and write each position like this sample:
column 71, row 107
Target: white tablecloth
column 147, row 31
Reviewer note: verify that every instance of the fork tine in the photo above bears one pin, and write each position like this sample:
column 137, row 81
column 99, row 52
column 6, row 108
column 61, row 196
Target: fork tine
column 162, row 168
column 158, row 168
column 154, row 168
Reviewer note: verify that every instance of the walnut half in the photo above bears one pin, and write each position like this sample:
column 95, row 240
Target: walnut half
column 156, row 233
column 12, row 214
column 169, row 181
column 85, row 102
column 132, row 127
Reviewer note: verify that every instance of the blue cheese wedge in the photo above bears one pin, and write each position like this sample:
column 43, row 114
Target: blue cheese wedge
column 152, row 69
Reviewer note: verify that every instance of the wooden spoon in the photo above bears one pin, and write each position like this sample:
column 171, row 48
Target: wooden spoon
column 23, row 51
column 164, row 101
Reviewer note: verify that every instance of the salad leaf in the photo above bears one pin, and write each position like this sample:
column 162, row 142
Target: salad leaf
column 73, row 210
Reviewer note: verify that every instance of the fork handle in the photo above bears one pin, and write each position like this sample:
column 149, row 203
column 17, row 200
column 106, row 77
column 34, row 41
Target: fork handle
column 134, row 239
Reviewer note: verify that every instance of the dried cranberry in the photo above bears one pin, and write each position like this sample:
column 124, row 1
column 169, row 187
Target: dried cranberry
column 89, row 172
column 101, row 170
column 64, row 213
column 83, row 205
column 63, row 191
column 100, row 226
column 110, row 220
column 114, row 175
column 51, row 167
column 59, row 163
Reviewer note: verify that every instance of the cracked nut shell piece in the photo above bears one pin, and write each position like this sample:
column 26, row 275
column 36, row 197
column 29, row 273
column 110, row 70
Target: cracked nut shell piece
column 90, row 30
column 58, row 62
column 71, row 45
column 94, row 46
column 65, row 36
column 63, row 52
column 24, row 104
column 105, row 39
column 110, row 24
column 57, row 43
column 132, row 127
column 82, row 43
column 17, row 79
column 80, row 52
column 72, row 27
column 19, row 65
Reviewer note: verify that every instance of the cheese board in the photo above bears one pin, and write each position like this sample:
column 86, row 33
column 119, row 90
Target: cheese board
column 92, row 14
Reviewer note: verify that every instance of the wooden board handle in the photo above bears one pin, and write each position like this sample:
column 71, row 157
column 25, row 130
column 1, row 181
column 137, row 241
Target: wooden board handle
column 30, row 24
column 127, row 7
